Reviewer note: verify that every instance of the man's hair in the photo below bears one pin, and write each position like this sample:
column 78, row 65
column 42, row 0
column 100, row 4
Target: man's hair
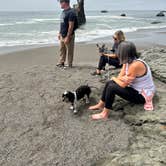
column 127, row 52
column 67, row 1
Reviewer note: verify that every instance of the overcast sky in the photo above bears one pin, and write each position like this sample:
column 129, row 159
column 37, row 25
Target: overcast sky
column 89, row 4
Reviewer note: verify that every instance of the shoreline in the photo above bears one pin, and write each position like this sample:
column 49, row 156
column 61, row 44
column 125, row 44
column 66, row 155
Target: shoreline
column 143, row 38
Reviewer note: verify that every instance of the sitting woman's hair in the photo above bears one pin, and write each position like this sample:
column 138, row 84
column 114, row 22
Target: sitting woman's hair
column 127, row 52
column 120, row 35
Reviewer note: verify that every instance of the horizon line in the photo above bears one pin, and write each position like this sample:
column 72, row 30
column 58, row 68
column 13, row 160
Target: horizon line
column 85, row 10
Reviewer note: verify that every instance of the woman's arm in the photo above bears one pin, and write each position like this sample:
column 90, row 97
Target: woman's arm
column 124, row 80
column 110, row 55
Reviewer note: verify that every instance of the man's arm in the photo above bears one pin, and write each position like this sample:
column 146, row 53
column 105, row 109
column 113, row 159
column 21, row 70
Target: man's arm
column 70, row 31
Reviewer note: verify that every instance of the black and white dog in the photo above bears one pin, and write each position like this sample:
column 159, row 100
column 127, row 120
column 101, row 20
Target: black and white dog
column 80, row 93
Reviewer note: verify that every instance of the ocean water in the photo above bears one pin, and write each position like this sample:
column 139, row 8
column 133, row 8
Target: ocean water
column 41, row 28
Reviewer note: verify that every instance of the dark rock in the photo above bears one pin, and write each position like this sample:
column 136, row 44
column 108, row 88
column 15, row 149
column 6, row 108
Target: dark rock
column 147, row 145
column 104, row 11
column 156, row 22
column 123, row 15
column 79, row 7
column 161, row 14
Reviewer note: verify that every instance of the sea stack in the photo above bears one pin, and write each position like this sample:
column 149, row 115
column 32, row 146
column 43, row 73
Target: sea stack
column 123, row 15
column 79, row 7
column 160, row 14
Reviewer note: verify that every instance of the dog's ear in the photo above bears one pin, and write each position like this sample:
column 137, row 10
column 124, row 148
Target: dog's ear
column 64, row 94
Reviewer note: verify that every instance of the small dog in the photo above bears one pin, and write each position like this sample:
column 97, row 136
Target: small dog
column 103, row 49
column 72, row 97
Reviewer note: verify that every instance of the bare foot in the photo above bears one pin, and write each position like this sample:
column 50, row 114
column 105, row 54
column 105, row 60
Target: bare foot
column 96, row 107
column 102, row 115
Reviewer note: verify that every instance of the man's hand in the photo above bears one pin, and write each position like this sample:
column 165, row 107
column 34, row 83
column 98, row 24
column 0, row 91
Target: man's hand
column 59, row 36
column 67, row 40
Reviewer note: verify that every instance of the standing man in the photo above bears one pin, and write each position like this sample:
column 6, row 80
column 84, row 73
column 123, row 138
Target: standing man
column 66, row 35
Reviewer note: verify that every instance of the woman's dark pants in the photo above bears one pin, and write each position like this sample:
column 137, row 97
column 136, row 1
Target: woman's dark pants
column 111, row 89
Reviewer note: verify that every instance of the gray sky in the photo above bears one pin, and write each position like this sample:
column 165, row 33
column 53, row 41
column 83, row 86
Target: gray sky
column 89, row 4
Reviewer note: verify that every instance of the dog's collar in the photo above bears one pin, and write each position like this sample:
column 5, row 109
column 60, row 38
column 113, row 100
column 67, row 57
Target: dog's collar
column 75, row 95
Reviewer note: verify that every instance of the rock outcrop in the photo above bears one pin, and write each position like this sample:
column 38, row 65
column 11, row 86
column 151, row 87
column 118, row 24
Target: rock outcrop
column 104, row 11
column 123, row 15
column 156, row 22
column 160, row 14
column 79, row 7
column 148, row 145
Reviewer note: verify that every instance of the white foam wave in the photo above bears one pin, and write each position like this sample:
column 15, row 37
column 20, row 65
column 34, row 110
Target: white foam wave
column 32, row 21
column 46, row 19
column 49, row 37
column 5, row 24
column 92, row 35
column 28, row 42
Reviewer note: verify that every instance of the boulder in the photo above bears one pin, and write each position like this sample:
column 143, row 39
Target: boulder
column 156, row 22
column 104, row 11
column 161, row 14
column 147, row 144
column 123, row 15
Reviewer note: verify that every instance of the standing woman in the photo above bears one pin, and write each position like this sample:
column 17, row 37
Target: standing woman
column 134, row 83
column 112, row 58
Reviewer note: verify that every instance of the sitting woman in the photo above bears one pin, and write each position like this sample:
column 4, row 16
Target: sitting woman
column 111, row 58
column 134, row 83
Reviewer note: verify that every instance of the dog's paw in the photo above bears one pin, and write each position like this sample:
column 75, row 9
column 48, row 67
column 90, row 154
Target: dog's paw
column 75, row 111
column 71, row 108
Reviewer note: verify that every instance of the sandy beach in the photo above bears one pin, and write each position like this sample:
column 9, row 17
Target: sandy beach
column 37, row 128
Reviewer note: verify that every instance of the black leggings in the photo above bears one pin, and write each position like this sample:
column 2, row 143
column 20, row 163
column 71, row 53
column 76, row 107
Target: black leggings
column 111, row 89
column 111, row 61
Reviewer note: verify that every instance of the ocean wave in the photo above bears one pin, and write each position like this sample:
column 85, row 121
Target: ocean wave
column 49, row 37
column 28, row 42
column 6, row 24
column 108, row 16
column 46, row 19
column 104, row 33
column 36, row 21
column 31, row 21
